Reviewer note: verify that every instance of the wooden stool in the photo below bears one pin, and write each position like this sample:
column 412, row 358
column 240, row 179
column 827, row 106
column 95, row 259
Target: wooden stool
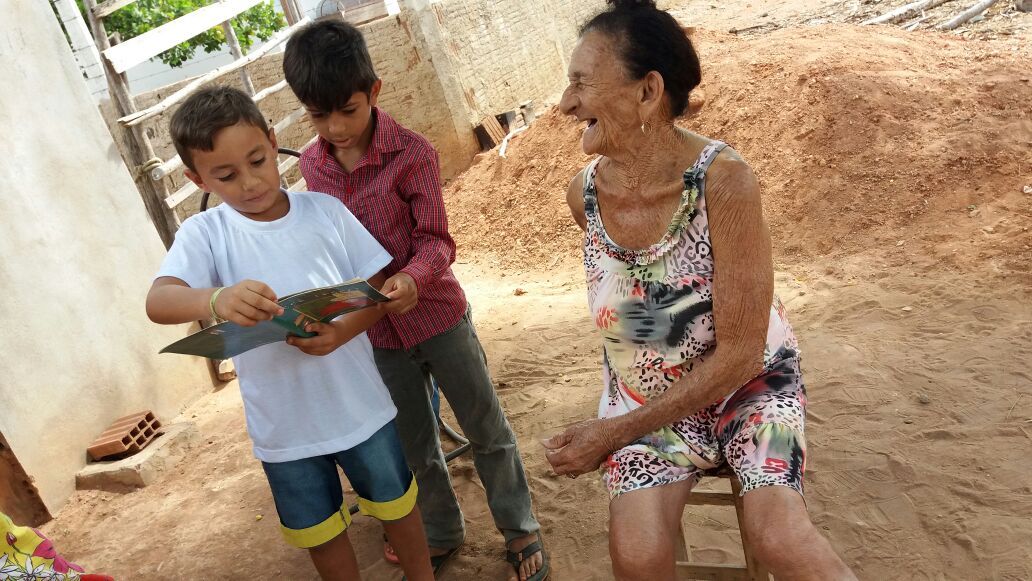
column 753, row 570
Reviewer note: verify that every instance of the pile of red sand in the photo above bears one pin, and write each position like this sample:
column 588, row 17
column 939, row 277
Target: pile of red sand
column 863, row 139
column 514, row 208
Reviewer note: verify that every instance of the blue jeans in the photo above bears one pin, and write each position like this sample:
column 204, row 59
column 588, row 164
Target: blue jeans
column 456, row 360
column 308, row 495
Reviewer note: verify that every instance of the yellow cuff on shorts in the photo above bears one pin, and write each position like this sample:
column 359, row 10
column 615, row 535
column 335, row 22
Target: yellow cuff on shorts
column 321, row 533
column 392, row 509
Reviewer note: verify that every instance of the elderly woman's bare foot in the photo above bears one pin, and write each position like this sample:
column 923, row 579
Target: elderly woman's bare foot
column 526, row 560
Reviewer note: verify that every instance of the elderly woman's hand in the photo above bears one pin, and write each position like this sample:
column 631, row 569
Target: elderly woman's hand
column 580, row 448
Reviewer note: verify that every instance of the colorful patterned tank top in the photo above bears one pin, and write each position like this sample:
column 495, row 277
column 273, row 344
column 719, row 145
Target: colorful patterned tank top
column 654, row 307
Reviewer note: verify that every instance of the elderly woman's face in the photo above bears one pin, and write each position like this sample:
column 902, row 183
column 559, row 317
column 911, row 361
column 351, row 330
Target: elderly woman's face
column 600, row 94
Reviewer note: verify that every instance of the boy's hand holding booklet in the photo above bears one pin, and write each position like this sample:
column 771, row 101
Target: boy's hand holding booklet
column 320, row 305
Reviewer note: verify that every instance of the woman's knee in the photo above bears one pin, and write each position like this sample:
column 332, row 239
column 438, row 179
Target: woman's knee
column 778, row 529
column 640, row 551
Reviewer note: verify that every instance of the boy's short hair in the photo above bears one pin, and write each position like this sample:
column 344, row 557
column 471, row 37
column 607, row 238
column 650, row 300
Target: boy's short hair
column 205, row 113
column 327, row 62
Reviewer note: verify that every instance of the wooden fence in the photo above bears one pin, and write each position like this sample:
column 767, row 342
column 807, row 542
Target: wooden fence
column 150, row 171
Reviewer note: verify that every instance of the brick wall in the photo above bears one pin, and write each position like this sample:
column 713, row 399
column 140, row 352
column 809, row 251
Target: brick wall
column 510, row 51
column 413, row 92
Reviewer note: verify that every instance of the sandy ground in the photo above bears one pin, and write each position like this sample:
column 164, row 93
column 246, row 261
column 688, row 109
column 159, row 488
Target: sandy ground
column 919, row 431
column 893, row 166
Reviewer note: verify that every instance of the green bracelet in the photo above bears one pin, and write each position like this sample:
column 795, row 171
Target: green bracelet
column 211, row 303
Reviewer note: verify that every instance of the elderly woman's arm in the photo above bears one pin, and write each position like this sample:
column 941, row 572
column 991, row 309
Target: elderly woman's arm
column 743, row 289
column 575, row 199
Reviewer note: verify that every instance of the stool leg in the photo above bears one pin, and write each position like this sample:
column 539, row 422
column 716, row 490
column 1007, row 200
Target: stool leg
column 681, row 546
column 757, row 572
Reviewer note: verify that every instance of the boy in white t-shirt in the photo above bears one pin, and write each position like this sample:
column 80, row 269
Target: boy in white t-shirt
column 312, row 404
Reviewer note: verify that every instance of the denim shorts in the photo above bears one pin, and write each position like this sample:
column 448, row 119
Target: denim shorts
column 310, row 500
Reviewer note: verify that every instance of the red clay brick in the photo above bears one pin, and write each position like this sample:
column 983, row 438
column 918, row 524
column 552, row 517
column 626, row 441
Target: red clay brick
column 126, row 435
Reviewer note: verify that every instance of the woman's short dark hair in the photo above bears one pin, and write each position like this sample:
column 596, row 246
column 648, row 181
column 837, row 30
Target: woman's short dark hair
column 650, row 39
column 205, row 113
column 327, row 62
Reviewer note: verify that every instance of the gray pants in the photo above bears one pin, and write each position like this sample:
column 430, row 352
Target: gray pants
column 456, row 360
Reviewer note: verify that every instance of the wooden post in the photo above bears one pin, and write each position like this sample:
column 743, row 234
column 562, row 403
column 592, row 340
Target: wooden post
column 290, row 11
column 238, row 53
column 141, row 153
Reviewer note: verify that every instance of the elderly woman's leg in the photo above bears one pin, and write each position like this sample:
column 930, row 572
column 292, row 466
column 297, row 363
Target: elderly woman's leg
column 644, row 526
column 783, row 538
column 762, row 436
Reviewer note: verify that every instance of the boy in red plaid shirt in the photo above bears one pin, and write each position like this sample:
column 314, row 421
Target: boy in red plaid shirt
column 388, row 176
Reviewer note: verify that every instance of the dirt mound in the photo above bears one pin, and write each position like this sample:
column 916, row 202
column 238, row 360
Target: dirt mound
column 514, row 207
column 912, row 144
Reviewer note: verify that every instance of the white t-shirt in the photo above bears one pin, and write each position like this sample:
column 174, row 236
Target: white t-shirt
column 297, row 405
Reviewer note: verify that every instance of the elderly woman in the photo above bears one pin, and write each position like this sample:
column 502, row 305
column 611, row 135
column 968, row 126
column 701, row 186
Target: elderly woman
column 699, row 362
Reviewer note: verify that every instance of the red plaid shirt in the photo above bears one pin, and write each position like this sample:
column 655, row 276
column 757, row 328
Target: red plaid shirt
column 395, row 192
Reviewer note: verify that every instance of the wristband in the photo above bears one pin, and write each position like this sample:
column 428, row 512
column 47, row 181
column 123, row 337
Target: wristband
column 211, row 303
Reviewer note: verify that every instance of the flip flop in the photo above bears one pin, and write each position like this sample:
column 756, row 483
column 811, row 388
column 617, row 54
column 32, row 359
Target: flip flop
column 438, row 561
column 516, row 558
column 388, row 552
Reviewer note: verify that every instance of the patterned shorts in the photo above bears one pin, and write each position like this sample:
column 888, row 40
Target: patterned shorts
column 757, row 430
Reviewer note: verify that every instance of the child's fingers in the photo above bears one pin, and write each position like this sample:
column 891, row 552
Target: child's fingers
column 397, row 293
column 241, row 320
column 247, row 312
column 247, row 303
column 242, row 314
column 307, row 342
column 390, row 285
column 305, row 345
column 318, row 328
column 402, row 297
column 263, row 304
column 321, row 344
column 261, row 289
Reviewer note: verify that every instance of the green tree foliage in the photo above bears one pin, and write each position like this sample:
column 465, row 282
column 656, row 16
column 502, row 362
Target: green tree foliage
column 257, row 23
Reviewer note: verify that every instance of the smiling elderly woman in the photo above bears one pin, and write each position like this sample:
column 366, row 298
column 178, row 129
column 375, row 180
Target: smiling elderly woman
column 700, row 363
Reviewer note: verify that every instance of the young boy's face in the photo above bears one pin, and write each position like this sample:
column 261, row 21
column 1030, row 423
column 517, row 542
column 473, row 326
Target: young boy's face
column 243, row 170
column 348, row 129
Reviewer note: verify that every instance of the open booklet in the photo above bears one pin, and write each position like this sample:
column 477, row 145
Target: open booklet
column 322, row 305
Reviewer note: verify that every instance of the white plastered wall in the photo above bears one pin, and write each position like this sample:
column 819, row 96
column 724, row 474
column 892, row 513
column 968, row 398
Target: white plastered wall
column 77, row 252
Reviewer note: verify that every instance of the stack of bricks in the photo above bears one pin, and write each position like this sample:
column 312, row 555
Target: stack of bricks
column 125, row 436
